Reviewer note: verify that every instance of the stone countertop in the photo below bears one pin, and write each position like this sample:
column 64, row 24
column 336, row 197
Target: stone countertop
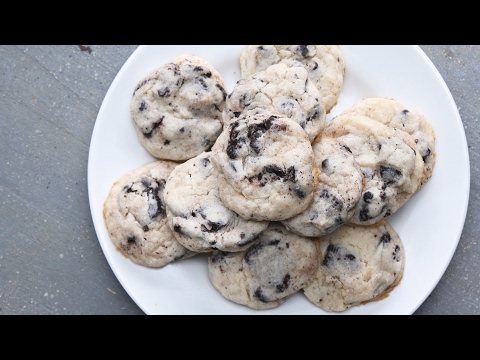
column 51, row 261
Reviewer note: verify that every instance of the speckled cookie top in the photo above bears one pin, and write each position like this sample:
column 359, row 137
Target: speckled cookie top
column 280, row 264
column 266, row 168
column 325, row 65
column 391, row 163
column 177, row 108
column 340, row 185
column 197, row 215
column 391, row 112
column 135, row 216
column 358, row 264
column 279, row 89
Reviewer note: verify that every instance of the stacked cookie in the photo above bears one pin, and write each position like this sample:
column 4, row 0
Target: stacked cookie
column 281, row 200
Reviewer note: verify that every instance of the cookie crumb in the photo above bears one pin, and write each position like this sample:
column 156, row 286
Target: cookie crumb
column 85, row 48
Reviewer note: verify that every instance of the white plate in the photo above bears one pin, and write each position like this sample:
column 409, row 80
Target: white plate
column 430, row 223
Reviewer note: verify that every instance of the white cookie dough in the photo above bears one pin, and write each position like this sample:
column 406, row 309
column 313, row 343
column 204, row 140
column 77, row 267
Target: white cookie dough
column 340, row 185
column 269, row 272
column 134, row 214
column 412, row 121
column 390, row 161
column 177, row 108
column 279, row 89
column 325, row 65
column 265, row 165
column 197, row 215
column 357, row 265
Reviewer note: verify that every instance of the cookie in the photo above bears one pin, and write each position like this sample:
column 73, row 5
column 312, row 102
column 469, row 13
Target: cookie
column 265, row 275
column 177, row 108
column 412, row 121
column 134, row 214
column 279, row 89
column 390, row 161
column 325, row 65
column 340, row 185
column 265, row 165
column 197, row 215
column 357, row 265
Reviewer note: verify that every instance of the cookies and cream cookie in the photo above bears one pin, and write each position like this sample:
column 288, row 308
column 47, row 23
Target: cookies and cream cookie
column 340, row 185
column 177, row 108
column 134, row 213
column 265, row 165
column 357, row 265
column 197, row 215
column 412, row 121
column 325, row 65
column 279, row 89
column 265, row 275
column 391, row 163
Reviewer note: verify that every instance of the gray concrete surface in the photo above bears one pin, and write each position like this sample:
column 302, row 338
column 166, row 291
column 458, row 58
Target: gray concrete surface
column 50, row 259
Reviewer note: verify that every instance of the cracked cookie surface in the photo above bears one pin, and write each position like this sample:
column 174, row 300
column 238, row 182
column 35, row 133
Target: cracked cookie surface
column 177, row 108
column 197, row 215
column 340, row 185
column 265, row 165
column 279, row 89
column 325, row 65
column 134, row 214
column 269, row 272
column 391, row 163
column 357, row 264
column 412, row 121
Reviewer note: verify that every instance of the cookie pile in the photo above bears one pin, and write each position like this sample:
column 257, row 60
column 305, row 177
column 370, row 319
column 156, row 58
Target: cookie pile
column 280, row 199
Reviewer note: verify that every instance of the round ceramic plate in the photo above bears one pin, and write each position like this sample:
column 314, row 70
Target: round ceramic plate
column 429, row 224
